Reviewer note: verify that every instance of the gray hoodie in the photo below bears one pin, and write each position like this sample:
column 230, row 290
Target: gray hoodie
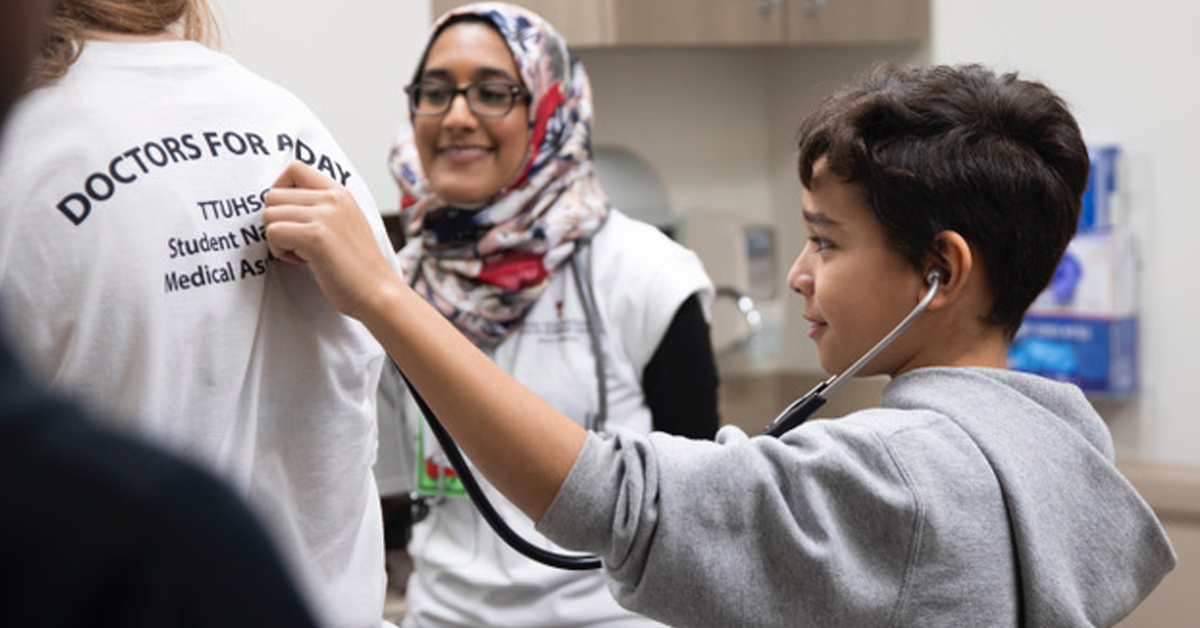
column 972, row 497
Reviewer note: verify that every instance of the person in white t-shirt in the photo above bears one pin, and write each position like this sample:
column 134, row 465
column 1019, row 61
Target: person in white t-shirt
column 512, row 238
column 135, row 276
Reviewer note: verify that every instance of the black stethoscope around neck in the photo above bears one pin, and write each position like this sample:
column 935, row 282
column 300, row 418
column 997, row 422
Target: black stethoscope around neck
column 792, row 416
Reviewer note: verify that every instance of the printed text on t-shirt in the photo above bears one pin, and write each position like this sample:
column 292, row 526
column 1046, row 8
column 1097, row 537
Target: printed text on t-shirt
column 128, row 166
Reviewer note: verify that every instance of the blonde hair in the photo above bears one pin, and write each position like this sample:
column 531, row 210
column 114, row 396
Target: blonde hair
column 65, row 32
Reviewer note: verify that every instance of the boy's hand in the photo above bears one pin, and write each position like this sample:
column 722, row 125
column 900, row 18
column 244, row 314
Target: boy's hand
column 311, row 219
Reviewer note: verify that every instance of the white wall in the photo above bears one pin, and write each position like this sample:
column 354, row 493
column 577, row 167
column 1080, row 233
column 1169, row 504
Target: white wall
column 696, row 116
column 1128, row 72
column 349, row 60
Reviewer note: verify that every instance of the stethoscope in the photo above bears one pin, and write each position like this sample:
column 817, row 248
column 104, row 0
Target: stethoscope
column 595, row 423
column 796, row 413
column 799, row 410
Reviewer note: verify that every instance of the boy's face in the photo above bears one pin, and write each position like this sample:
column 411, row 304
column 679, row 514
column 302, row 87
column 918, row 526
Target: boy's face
column 855, row 288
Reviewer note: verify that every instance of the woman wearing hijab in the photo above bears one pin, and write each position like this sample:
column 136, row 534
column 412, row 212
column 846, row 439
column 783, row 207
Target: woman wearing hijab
column 512, row 239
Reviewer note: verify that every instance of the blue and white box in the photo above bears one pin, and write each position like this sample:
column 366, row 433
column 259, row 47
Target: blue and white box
column 1083, row 328
column 1100, row 199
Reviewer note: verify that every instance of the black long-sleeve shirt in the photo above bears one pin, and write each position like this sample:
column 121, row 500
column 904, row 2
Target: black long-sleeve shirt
column 680, row 381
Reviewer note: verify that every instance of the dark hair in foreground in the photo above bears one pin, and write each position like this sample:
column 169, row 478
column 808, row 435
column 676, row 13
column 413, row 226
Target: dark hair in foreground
column 998, row 159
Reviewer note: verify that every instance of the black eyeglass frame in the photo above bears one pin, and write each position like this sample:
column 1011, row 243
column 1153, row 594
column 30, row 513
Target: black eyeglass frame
column 516, row 91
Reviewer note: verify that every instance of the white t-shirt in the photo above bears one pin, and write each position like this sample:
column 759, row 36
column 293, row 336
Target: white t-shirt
column 465, row 574
column 134, row 274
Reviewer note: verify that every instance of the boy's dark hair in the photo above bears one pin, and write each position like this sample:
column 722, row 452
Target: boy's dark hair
column 997, row 159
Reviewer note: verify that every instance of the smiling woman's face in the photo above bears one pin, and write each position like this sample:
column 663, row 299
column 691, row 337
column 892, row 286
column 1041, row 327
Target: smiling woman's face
column 469, row 158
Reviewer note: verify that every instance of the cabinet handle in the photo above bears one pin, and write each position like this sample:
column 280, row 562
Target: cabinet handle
column 812, row 7
column 767, row 7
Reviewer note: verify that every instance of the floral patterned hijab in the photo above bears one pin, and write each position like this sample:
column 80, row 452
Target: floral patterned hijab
column 485, row 268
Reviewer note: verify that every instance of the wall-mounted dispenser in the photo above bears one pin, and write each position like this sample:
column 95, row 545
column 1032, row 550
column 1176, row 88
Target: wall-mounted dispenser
column 740, row 257
column 738, row 254
column 1083, row 328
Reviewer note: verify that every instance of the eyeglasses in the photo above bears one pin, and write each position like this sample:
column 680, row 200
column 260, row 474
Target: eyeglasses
column 489, row 99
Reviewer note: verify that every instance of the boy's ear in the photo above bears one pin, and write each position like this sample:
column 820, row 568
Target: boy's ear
column 953, row 257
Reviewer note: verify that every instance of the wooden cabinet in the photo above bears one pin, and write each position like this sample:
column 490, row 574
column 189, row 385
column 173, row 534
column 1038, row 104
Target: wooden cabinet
column 617, row 23
column 584, row 23
column 697, row 22
column 857, row 21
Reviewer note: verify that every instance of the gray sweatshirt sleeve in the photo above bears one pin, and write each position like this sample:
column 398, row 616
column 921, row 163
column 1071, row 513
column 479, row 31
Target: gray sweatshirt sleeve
column 813, row 529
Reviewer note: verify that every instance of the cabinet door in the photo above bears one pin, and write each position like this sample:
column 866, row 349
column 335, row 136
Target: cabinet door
column 697, row 22
column 608, row 23
column 583, row 23
column 857, row 21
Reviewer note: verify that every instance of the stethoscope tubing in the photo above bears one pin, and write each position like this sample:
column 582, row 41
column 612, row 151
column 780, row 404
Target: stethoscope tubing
column 560, row 560
column 796, row 413
column 494, row 519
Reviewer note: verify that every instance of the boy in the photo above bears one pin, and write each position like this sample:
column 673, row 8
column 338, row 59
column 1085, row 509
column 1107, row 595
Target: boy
column 972, row 496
